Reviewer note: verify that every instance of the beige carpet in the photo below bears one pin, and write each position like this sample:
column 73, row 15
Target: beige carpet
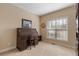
column 42, row 49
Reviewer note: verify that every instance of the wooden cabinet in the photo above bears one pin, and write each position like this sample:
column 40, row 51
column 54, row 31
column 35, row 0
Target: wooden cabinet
column 24, row 36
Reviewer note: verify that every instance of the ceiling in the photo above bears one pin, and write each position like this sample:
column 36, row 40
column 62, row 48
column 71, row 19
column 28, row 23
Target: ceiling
column 41, row 8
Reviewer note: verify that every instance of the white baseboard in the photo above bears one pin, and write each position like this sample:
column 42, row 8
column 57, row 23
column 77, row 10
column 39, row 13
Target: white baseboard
column 7, row 49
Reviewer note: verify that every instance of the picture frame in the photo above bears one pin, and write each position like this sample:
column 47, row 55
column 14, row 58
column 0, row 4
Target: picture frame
column 26, row 23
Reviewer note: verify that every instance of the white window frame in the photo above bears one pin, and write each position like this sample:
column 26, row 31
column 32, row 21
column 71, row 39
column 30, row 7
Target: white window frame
column 56, row 38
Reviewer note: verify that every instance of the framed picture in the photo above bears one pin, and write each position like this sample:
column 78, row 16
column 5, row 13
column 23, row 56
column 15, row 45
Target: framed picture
column 26, row 23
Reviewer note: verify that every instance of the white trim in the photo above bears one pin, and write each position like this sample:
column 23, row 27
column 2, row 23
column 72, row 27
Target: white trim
column 7, row 49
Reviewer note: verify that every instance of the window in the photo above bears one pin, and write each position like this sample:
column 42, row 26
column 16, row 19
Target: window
column 58, row 29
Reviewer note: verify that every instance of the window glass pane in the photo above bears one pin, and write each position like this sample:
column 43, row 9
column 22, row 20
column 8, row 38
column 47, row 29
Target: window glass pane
column 51, row 34
column 59, row 24
column 64, row 26
column 53, row 26
column 62, row 35
column 49, row 25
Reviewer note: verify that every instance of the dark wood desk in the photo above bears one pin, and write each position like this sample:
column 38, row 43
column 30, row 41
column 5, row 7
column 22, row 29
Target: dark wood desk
column 24, row 37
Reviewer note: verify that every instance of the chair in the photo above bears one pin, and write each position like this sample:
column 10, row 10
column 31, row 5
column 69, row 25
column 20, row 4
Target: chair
column 33, row 41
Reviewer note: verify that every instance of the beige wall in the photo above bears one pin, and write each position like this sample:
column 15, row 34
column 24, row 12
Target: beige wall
column 10, row 19
column 71, row 13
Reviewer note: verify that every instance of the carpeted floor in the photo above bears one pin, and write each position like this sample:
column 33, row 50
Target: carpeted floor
column 42, row 49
